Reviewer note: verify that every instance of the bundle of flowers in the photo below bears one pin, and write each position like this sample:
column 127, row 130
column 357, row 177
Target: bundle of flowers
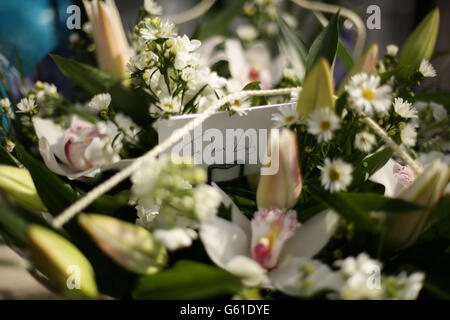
column 357, row 207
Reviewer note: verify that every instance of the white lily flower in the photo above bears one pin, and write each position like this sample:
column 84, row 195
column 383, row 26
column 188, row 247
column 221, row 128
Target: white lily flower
column 254, row 64
column 82, row 150
column 262, row 251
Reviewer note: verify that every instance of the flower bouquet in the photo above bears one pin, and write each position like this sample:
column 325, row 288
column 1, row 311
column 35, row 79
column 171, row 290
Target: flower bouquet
column 325, row 191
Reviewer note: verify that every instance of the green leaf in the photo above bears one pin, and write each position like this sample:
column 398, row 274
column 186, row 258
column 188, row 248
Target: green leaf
column 6, row 157
column 325, row 45
column 185, row 281
column 220, row 23
column 14, row 223
column 54, row 193
column 94, row 81
column 346, row 58
column 370, row 165
column 292, row 47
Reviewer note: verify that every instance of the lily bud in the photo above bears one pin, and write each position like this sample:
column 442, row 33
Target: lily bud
column 63, row 264
column 130, row 246
column 419, row 45
column 18, row 184
column 426, row 190
column 366, row 64
column 282, row 189
column 317, row 90
column 112, row 48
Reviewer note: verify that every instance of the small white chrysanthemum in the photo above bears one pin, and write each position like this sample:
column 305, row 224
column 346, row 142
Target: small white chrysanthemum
column 336, row 175
column 404, row 109
column 364, row 141
column 100, row 102
column 409, row 135
column 175, row 238
column 392, row 50
column 170, row 104
column 247, row 32
column 287, row 116
column 152, row 7
column 240, row 106
column 322, row 123
column 164, row 30
column 207, row 200
column 427, row 69
column 146, row 216
column 366, row 94
column 26, row 105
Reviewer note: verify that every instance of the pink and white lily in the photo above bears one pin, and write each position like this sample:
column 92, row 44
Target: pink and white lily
column 81, row 150
column 253, row 64
column 262, row 251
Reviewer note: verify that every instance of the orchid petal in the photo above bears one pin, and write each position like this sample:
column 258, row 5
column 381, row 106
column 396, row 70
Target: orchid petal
column 236, row 58
column 249, row 270
column 386, row 177
column 312, row 236
column 223, row 241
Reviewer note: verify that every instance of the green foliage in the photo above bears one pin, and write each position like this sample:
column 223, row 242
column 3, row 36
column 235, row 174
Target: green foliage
column 187, row 280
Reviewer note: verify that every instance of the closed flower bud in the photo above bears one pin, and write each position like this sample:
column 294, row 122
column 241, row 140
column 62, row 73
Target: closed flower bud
column 63, row 264
column 112, row 48
column 282, row 189
column 419, row 45
column 130, row 246
column 17, row 184
column 317, row 91
column 426, row 190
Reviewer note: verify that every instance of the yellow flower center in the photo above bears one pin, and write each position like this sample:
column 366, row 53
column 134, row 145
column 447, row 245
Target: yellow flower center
column 269, row 239
column 369, row 94
column 325, row 125
column 334, row 175
column 237, row 103
column 289, row 118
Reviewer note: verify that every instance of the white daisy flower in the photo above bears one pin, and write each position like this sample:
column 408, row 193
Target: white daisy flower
column 152, row 7
column 392, row 50
column 240, row 106
column 336, row 175
column 286, row 117
column 427, row 69
column 26, row 105
column 409, row 135
column 247, row 32
column 404, row 109
column 100, row 102
column 366, row 94
column 364, row 141
column 171, row 104
column 322, row 123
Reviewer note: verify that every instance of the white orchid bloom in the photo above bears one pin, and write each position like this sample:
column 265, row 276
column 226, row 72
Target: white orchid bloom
column 394, row 177
column 262, row 251
column 82, row 150
column 254, row 64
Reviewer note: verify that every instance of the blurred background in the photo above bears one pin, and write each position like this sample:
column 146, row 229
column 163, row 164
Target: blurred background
column 32, row 29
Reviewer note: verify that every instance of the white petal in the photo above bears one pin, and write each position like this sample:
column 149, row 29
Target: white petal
column 223, row 241
column 236, row 58
column 249, row 270
column 312, row 236
column 386, row 177
column 53, row 134
column 49, row 158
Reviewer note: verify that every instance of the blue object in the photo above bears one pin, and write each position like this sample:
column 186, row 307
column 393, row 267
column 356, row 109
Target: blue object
column 32, row 29
column 29, row 29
